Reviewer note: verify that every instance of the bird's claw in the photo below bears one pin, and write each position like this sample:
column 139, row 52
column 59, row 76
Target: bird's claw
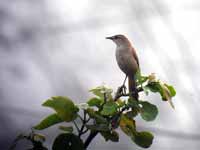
column 122, row 89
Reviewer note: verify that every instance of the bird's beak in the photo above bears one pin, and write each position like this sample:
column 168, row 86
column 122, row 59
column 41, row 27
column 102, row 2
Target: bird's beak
column 110, row 38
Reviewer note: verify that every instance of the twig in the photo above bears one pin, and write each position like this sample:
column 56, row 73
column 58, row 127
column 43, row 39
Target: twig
column 80, row 117
column 104, row 102
column 84, row 121
column 89, row 138
column 94, row 133
column 120, row 94
column 77, row 128
column 86, row 130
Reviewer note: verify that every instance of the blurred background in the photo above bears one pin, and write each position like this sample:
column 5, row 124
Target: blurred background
column 50, row 48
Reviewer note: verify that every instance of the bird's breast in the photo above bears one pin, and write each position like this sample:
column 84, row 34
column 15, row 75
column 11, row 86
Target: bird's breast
column 125, row 60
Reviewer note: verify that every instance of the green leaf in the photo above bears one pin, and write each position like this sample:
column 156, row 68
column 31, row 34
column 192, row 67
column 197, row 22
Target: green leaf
column 98, row 127
column 38, row 137
column 166, row 95
column 83, row 106
column 127, row 125
column 171, row 89
column 110, row 135
column 140, row 79
column 64, row 107
column 120, row 103
column 96, row 116
column 67, row 129
column 143, row 139
column 109, row 108
column 102, row 91
column 132, row 113
column 48, row 121
column 68, row 141
column 154, row 87
column 95, row 102
column 148, row 111
column 146, row 90
column 133, row 103
column 166, row 91
column 98, row 91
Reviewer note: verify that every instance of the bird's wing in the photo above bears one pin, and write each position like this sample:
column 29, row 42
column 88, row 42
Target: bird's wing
column 135, row 56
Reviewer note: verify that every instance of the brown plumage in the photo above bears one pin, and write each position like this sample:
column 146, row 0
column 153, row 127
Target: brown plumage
column 127, row 60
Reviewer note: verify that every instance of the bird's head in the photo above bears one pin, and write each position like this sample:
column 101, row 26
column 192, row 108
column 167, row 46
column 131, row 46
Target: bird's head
column 119, row 39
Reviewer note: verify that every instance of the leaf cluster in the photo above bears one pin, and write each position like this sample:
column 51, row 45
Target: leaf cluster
column 103, row 114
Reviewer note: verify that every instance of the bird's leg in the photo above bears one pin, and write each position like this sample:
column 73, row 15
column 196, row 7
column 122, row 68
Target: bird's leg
column 121, row 90
column 123, row 87
column 124, row 81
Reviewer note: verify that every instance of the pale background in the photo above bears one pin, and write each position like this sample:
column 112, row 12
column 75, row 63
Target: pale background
column 58, row 47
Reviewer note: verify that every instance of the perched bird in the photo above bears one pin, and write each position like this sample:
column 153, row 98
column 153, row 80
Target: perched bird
column 127, row 60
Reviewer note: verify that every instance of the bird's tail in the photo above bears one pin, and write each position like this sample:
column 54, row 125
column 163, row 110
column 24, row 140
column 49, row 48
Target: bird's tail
column 132, row 87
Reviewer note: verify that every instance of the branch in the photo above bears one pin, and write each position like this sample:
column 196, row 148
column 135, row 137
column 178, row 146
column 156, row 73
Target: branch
column 89, row 138
column 104, row 102
column 94, row 133
column 119, row 93
column 77, row 128
column 84, row 121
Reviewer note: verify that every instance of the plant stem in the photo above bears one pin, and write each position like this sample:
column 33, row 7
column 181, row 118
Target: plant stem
column 90, row 138
column 104, row 102
column 84, row 121
column 77, row 128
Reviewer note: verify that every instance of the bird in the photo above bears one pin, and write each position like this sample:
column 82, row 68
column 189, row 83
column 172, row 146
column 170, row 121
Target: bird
column 127, row 61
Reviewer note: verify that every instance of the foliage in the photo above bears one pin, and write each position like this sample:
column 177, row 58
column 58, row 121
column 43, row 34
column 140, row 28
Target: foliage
column 35, row 139
column 104, row 114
